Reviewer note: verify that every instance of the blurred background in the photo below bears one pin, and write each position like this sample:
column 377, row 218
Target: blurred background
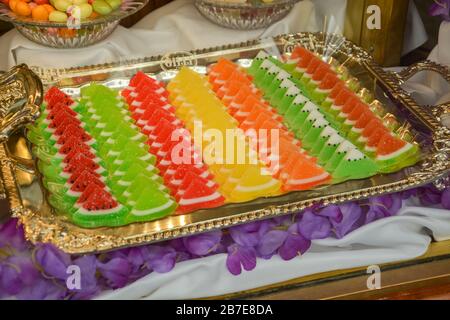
column 431, row 24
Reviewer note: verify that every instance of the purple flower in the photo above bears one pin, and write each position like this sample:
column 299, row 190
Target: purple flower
column 429, row 195
column 333, row 212
column 440, row 8
column 88, row 279
column 409, row 194
column 294, row 245
column 384, row 206
column 203, row 244
column 43, row 289
column 240, row 256
column 161, row 258
column 249, row 234
column 445, row 199
column 270, row 243
column 53, row 261
column 351, row 219
column 116, row 272
column 11, row 233
column 17, row 273
column 313, row 226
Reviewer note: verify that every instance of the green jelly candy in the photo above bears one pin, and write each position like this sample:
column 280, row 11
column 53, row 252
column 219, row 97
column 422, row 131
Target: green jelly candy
column 355, row 165
column 151, row 204
column 259, row 75
column 100, row 218
column 59, row 189
column 329, row 148
column 311, row 87
column 341, row 151
column 34, row 136
column 276, row 97
column 138, row 185
column 314, row 133
column 326, row 104
column 288, row 98
column 308, row 123
column 269, row 78
column 60, row 205
column 300, row 118
column 335, row 110
column 353, row 135
column 318, row 145
column 279, row 78
column 295, row 107
column 306, row 79
column 256, row 63
column 409, row 155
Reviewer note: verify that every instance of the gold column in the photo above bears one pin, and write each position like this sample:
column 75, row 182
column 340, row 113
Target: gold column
column 384, row 44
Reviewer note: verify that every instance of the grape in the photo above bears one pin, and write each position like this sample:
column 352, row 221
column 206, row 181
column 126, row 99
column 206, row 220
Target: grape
column 57, row 16
column 101, row 7
column 85, row 10
column 114, row 3
column 62, row 5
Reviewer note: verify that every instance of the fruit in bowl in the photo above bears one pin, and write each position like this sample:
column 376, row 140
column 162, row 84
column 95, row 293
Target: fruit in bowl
column 62, row 10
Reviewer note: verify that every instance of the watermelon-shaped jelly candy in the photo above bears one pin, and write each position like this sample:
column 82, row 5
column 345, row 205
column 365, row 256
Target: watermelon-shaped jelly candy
column 329, row 148
column 254, row 184
column 394, row 154
column 99, row 209
column 341, row 152
column 302, row 174
column 147, row 208
column 354, row 165
column 200, row 194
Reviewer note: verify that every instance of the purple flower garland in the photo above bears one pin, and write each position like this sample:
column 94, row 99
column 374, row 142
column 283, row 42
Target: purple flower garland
column 40, row 272
column 440, row 8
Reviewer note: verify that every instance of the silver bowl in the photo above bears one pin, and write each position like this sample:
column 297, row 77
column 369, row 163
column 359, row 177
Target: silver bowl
column 244, row 16
column 59, row 35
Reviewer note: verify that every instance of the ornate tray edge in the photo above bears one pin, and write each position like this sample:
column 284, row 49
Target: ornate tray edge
column 38, row 229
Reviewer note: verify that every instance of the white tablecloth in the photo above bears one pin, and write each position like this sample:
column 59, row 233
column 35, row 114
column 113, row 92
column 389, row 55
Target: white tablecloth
column 178, row 26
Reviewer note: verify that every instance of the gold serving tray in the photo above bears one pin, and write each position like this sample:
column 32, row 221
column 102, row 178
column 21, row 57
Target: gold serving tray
column 20, row 92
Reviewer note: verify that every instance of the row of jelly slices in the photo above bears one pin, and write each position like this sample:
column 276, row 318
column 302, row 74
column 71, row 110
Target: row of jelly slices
column 187, row 177
column 71, row 170
column 339, row 156
column 296, row 170
column 194, row 101
column 353, row 116
column 132, row 175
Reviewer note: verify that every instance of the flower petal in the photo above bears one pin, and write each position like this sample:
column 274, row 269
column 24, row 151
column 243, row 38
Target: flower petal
column 270, row 242
column 240, row 256
column 313, row 226
column 352, row 214
column 116, row 271
column 203, row 244
column 332, row 211
column 445, row 199
column 161, row 258
column 294, row 245
column 52, row 260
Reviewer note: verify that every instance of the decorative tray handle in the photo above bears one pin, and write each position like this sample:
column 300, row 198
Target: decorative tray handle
column 437, row 116
column 20, row 97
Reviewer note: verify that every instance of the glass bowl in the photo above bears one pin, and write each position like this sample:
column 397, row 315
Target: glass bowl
column 60, row 35
column 245, row 14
